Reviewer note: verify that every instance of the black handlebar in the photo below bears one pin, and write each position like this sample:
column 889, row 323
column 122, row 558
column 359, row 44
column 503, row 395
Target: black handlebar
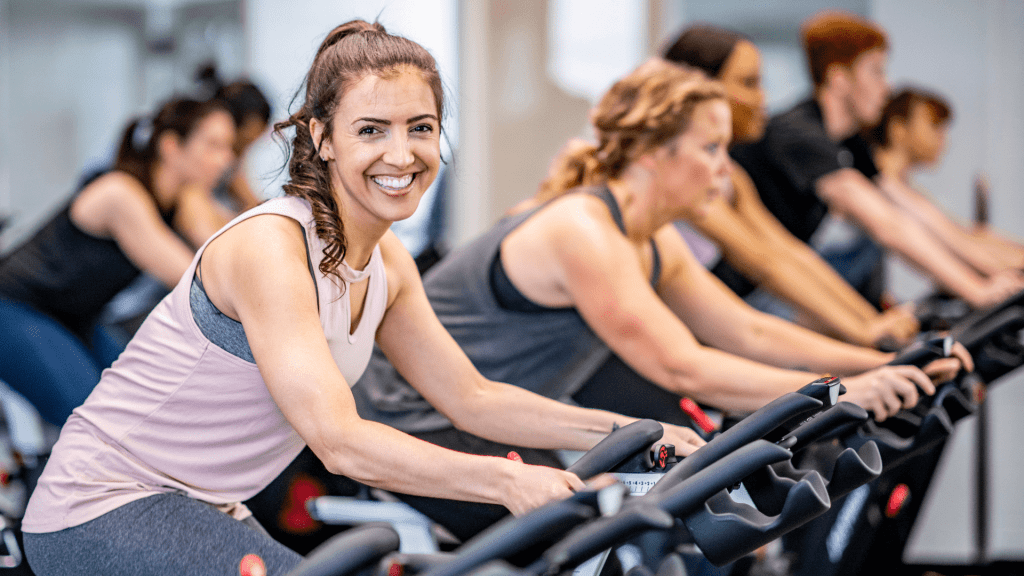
column 349, row 551
column 756, row 426
column 656, row 511
column 617, row 447
column 922, row 352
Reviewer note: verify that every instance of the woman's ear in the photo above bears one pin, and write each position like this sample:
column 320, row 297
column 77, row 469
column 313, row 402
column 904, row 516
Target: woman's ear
column 324, row 149
column 168, row 145
column 897, row 131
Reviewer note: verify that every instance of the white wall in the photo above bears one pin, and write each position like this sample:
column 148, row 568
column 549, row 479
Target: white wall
column 67, row 86
column 973, row 54
column 71, row 76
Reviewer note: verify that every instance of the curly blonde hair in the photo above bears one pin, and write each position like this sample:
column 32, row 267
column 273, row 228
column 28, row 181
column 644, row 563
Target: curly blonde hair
column 639, row 113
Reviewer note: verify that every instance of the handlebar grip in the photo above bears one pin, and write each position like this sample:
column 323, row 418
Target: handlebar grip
column 617, row 447
column 687, row 496
column 977, row 330
column 830, row 423
column 651, row 512
column 593, row 537
column 853, row 469
column 895, row 447
column 514, row 535
column 921, row 353
column 350, row 551
column 726, row 530
column 842, row 472
column 758, row 425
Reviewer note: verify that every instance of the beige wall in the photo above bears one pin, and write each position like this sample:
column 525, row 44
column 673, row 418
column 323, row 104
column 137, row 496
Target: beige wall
column 513, row 118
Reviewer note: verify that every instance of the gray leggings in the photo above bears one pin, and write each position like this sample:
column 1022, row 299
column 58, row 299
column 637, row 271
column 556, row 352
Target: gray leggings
column 168, row 534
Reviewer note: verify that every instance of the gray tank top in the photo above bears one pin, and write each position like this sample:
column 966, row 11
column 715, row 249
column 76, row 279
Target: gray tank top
column 550, row 351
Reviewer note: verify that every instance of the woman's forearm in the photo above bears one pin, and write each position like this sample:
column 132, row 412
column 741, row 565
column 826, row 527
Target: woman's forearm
column 512, row 415
column 781, row 343
column 787, row 278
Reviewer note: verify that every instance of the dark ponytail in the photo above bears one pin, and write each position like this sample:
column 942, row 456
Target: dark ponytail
column 348, row 53
column 705, row 47
column 242, row 98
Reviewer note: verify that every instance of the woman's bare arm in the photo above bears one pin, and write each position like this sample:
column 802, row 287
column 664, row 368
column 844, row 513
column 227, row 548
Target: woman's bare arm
column 428, row 357
column 117, row 206
column 278, row 311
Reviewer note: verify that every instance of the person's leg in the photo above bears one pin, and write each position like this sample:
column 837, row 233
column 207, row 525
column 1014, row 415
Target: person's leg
column 167, row 534
column 106, row 345
column 44, row 362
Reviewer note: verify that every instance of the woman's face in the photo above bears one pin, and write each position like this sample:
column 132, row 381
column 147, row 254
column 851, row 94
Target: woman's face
column 926, row 137
column 206, row 152
column 741, row 76
column 248, row 132
column 693, row 169
column 384, row 149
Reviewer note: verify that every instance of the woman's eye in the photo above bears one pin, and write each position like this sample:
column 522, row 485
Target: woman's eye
column 426, row 128
column 368, row 130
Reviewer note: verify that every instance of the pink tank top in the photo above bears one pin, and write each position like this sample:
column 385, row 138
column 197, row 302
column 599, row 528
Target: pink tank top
column 176, row 413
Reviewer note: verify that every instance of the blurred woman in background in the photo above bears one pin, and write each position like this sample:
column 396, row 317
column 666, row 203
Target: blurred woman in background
column 912, row 136
column 252, row 112
column 119, row 224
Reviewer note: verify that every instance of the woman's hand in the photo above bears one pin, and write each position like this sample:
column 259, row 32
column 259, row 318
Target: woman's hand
column 888, row 389
column 945, row 369
column 684, row 439
column 897, row 324
column 999, row 287
column 529, row 486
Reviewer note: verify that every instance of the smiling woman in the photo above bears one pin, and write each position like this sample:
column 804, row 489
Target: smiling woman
column 252, row 355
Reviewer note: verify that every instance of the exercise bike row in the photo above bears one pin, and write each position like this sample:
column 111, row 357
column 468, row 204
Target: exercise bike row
column 795, row 457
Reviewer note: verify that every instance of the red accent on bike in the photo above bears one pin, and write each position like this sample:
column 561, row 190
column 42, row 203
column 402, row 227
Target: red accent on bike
column 252, row 565
column 979, row 391
column 395, row 569
column 5, row 478
column 699, row 417
column 513, row 455
column 294, row 517
column 900, row 495
column 662, row 457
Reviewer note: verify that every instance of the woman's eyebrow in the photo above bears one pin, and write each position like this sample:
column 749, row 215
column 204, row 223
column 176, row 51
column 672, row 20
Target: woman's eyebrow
column 388, row 122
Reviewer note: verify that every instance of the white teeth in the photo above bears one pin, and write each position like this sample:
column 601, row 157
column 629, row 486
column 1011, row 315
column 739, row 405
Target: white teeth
column 392, row 183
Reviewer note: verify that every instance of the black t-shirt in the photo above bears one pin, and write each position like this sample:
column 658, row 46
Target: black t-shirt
column 794, row 154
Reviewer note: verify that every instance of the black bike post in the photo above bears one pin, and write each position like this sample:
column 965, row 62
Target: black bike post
column 981, row 496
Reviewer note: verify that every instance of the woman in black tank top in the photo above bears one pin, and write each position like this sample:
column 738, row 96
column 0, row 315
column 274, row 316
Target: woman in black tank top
column 120, row 223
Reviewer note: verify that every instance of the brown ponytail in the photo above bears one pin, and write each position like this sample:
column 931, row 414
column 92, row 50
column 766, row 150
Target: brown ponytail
column 348, row 53
column 639, row 113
